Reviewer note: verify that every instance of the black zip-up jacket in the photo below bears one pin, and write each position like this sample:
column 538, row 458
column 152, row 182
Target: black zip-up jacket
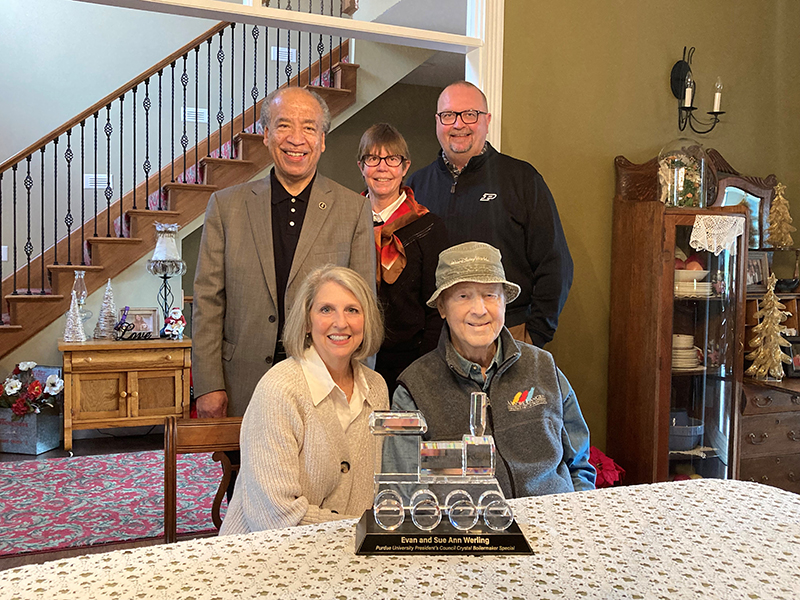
column 505, row 202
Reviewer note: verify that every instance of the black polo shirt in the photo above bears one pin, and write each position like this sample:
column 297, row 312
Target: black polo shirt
column 288, row 213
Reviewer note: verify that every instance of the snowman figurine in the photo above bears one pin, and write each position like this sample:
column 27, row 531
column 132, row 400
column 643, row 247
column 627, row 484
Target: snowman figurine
column 174, row 324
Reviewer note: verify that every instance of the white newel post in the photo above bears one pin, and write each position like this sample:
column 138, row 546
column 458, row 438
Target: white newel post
column 484, row 65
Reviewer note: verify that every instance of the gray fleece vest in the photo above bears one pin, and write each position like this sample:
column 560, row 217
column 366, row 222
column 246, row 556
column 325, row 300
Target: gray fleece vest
column 525, row 413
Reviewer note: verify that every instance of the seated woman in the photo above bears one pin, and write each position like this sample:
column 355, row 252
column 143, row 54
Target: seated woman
column 542, row 441
column 307, row 452
column 408, row 240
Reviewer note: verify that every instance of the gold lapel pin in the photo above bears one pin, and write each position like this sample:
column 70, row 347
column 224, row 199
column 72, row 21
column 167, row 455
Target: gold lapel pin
column 323, row 206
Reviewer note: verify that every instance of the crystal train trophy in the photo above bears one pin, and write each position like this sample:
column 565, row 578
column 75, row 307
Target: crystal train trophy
column 436, row 496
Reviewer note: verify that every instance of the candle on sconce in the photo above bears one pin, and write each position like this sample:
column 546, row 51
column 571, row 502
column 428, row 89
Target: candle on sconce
column 689, row 91
column 717, row 94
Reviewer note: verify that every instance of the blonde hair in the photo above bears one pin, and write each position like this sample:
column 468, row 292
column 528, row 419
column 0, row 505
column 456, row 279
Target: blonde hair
column 298, row 321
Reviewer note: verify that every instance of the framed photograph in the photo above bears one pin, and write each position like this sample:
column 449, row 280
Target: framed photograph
column 757, row 271
column 144, row 320
column 793, row 369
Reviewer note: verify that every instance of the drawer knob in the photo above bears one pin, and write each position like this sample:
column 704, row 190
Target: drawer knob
column 790, row 476
column 795, row 400
column 169, row 356
column 792, row 435
column 754, row 440
column 134, row 394
column 762, row 401
column 88, row 359
column 124, row 394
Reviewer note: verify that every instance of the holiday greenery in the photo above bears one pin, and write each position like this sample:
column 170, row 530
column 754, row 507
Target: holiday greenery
column 768, row 358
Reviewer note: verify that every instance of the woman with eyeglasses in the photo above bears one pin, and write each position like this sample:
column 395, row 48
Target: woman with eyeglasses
column 408, row 240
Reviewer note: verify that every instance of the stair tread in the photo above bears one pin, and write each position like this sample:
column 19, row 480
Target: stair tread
column 34, row 297
column 199, row 187
column 143, row 212
column 226, row 161
column 113, row 240
column 328, row 90
column 75, row 267
column 5, row 327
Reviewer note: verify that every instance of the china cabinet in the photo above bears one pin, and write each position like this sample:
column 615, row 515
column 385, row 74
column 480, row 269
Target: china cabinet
column 111, row 383
column 676, row 333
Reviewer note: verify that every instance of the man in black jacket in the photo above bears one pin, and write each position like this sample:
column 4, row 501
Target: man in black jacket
column 485, row 196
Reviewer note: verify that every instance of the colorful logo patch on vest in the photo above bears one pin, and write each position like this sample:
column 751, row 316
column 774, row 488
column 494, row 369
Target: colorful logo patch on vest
column 525, row 400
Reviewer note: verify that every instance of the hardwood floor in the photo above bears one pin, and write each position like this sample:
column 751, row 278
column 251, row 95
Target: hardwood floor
column 110, row 444
column 88, row 447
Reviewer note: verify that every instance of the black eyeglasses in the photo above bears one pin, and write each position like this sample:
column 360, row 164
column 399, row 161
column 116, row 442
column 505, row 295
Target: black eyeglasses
column 468, row 117
column 393, row 160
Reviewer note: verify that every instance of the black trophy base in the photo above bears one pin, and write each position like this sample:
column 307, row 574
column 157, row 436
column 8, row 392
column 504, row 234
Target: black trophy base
column 445, row 539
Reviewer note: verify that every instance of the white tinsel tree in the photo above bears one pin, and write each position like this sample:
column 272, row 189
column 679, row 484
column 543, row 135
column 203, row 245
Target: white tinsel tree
column 74, row 332
column 107, row 319
column 768, row 358
column 780, row 229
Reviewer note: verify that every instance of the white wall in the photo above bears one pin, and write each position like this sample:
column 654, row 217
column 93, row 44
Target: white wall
column 61, row 56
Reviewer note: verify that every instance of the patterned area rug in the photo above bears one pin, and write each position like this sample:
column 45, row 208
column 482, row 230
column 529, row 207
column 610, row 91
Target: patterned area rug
column 86, row 500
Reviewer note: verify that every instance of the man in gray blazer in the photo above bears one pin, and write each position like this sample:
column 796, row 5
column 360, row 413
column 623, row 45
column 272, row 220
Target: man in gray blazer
column 260, row 239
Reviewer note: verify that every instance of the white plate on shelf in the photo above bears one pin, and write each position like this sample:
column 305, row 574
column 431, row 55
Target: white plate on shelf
column 689, row 275
column 696, row 368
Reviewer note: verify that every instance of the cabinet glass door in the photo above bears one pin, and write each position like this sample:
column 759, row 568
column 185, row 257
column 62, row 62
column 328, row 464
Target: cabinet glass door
column 704, row 354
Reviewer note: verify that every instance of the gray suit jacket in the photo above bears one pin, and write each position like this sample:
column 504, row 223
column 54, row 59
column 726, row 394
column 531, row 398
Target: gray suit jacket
column 235, row 318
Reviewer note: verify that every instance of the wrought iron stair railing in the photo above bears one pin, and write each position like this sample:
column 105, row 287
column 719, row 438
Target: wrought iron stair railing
column 146, row 161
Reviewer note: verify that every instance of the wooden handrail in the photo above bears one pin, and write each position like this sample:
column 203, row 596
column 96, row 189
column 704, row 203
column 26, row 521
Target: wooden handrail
column 19, row 156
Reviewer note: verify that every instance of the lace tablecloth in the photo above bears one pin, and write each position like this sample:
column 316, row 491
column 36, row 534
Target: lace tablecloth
column 695, row 539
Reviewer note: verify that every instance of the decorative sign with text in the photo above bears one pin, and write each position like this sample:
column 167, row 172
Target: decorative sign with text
column 444, row 539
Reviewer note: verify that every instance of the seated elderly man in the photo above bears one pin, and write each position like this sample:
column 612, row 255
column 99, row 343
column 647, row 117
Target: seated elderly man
column 541, row 438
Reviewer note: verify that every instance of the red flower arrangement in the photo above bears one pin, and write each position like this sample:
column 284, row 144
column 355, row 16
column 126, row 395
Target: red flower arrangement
column 24, row 394
column 608, row 472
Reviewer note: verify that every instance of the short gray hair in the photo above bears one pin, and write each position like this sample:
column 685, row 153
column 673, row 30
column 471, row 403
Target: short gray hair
column 267, row 103
column 298, row 321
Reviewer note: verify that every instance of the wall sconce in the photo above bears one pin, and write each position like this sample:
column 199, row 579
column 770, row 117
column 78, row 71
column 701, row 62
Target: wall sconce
column 683, row 88
column 166, row 263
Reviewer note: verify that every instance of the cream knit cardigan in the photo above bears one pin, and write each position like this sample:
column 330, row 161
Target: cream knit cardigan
column 298, row 466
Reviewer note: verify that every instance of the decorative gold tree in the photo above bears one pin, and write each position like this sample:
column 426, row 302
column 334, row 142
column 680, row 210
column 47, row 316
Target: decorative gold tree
column 768, row 358
column 779, row 233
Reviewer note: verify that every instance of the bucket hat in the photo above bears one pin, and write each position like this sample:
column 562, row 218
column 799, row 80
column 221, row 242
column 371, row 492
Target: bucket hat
column 473, row 262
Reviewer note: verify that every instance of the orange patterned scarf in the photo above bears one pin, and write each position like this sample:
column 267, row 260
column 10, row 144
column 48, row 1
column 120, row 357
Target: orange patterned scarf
column 391, row 254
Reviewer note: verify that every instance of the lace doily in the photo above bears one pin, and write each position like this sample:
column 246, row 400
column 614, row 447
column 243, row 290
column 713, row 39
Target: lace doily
column 715, row 233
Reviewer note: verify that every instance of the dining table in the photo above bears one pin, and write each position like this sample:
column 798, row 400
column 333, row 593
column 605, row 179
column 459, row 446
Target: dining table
column 698, row 539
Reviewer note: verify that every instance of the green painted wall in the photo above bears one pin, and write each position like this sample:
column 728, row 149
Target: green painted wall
column 585, row 81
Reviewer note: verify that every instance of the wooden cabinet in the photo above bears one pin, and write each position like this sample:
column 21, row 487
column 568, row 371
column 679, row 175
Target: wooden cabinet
column 672, row 415
column 770, row 433
column 124, row 383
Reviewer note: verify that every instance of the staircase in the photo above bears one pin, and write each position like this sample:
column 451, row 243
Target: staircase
column 115, row 237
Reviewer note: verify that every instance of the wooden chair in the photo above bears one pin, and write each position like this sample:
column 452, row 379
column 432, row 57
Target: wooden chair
column 186, row 436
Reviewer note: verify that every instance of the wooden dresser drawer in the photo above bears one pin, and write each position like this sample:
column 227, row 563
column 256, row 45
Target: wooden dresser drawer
column 760, row 400
column 780, row 471
column 770, row 434
column 144, row 358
